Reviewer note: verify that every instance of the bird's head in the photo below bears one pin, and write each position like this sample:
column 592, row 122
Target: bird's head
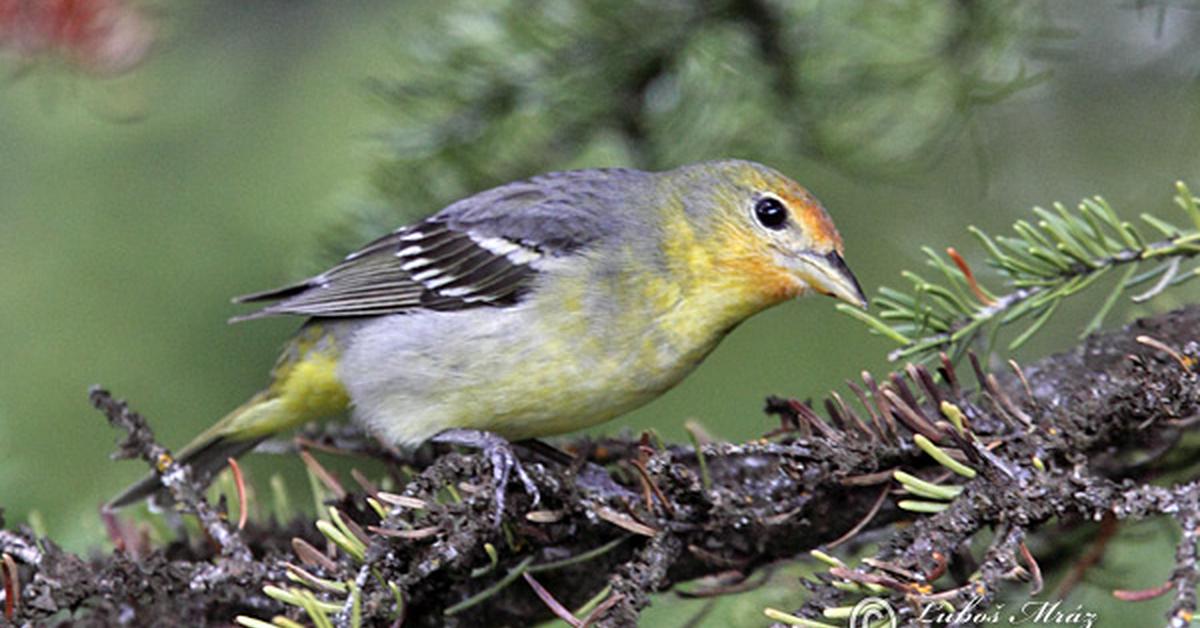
column 768, row 233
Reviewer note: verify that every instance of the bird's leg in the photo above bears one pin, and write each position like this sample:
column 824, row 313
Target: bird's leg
column 500, row 453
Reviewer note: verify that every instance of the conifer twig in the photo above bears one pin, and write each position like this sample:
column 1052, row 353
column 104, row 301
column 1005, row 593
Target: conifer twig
column 1061, row 254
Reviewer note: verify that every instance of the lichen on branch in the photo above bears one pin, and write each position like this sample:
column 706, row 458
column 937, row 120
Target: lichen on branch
column 1046, row 444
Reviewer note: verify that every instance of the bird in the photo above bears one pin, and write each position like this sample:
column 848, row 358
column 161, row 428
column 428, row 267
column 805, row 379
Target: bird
column 536, row 308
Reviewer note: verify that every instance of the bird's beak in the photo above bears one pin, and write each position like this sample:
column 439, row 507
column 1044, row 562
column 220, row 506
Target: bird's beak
column 828, row 274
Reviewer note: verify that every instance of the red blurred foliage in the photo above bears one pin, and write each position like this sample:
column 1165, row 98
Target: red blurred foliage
column 100, row 37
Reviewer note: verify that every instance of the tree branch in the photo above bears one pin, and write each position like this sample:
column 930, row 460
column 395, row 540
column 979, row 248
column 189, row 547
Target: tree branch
column 1051, row 441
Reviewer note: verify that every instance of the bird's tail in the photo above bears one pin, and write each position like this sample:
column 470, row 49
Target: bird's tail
column 209, row 452
column 304, row 387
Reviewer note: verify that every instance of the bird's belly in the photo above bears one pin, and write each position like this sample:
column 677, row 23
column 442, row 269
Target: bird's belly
column 507, row 371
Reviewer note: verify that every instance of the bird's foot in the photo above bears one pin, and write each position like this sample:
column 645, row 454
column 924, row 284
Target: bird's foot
column 504, row 462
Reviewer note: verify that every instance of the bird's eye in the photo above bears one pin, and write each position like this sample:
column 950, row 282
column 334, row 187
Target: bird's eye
column 770, row 213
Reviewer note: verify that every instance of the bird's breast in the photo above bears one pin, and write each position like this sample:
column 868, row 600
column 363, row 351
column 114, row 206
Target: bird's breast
column 572, row 356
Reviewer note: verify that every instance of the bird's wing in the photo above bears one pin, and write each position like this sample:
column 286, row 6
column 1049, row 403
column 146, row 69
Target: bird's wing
column 481, row 251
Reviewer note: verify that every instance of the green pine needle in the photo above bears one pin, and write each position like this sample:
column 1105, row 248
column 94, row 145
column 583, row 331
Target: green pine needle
column 1042, row 264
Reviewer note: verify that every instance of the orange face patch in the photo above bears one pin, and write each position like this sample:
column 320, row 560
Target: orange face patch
column 751, row 268
column 805, row 208
column 808, row 211
column 770, row 283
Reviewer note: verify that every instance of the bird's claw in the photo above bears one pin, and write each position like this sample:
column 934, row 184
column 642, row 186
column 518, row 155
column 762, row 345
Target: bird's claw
column 503, row 460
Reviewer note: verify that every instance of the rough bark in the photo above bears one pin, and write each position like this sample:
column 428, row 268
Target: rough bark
column 1052, row 439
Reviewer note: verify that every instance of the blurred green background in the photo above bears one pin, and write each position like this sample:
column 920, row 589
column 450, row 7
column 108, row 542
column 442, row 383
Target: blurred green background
column 257, row 141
